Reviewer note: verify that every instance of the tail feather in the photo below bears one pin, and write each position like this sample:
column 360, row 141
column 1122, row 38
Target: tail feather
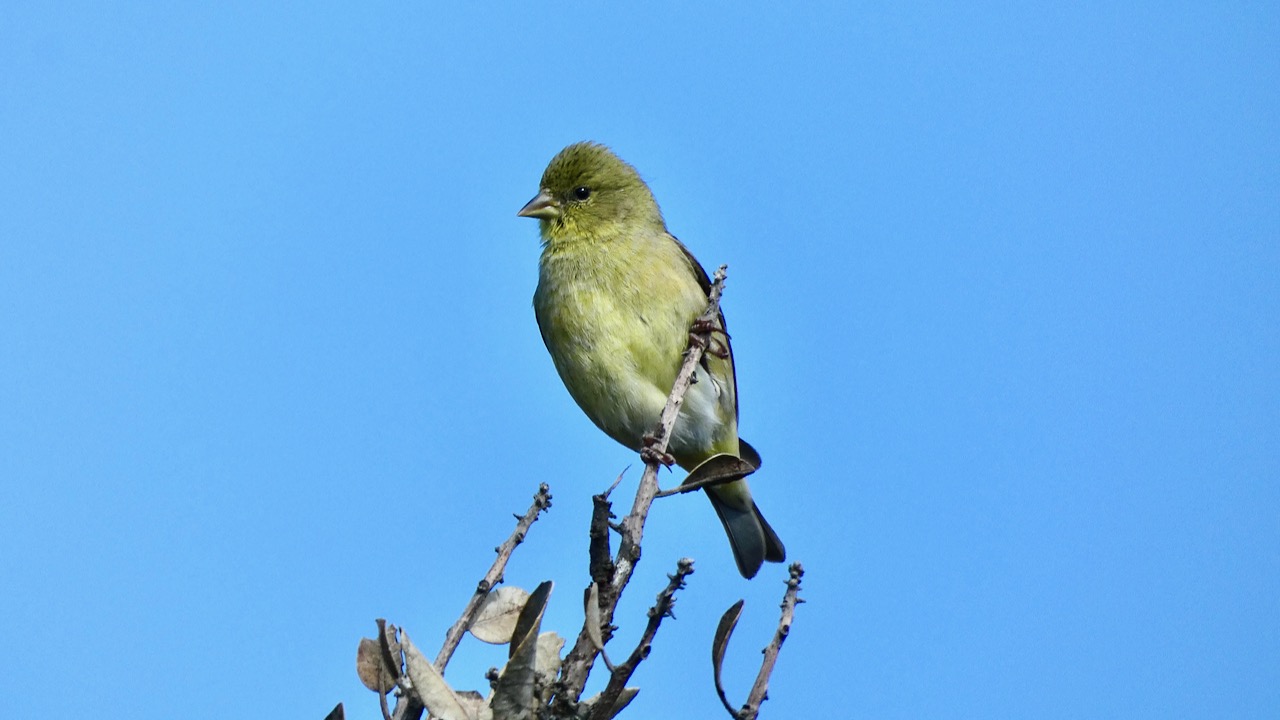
column 750, row 536
column 773, row 548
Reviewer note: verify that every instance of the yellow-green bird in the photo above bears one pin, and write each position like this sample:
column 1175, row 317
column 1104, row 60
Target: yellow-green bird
column 616, row 297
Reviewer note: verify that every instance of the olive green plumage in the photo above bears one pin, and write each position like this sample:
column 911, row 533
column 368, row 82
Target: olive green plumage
column 616, row 296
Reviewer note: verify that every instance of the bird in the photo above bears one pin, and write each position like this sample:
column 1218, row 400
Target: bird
column 617, row 295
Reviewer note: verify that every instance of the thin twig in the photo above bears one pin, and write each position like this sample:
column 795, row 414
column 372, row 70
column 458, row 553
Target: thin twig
column 689, row 487
column 760, row 690
column 382, row 704
column 541, row 501
column 408, row 708
column 577, row 664
column 603, row 708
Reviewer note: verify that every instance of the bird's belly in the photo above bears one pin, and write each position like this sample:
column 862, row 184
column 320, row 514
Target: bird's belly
column 612, row 380
column 619, row 359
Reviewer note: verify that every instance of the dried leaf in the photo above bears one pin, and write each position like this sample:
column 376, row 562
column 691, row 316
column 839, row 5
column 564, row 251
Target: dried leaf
column 624, row 698
column 547, row 662
column 718, row 469
column 496, row 619
column 593, row 617
column 432, row 690
column 720, row 644
column 475, row 704
column 548, row 654
column 530, row 619
column 513, row 696
column 370, row 666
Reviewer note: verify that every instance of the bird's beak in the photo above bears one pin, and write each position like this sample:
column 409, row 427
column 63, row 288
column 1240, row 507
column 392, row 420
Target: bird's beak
column 543, row 207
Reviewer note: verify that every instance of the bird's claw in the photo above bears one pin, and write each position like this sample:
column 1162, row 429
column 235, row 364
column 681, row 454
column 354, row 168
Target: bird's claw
column 711, row 348
column 704, row 326
column 701, row 327
column 650, row 453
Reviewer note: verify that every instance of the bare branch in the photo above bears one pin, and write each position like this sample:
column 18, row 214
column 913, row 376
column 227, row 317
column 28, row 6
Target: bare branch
column 577, row 664
column 408, row 708
column 760, row 690
column 682, row 489
column 601, row 556
column 541, row 501
column 622, row 673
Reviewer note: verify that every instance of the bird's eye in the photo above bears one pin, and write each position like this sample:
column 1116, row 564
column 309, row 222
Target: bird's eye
column 582, row 193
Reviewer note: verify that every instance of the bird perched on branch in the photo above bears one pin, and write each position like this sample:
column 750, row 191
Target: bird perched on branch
column 617, row 295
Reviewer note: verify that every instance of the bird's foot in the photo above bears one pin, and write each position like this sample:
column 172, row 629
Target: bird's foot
column 650, row 453
column 705, row 326
column 702, row 327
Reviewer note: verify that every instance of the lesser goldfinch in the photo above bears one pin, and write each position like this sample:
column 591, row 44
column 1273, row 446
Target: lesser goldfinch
column 616, row 297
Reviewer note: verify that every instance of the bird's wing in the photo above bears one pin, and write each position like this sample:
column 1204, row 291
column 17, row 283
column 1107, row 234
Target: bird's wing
column 704, row 281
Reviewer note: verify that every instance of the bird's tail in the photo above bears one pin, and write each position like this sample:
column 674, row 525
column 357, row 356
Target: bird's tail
column 750, row 536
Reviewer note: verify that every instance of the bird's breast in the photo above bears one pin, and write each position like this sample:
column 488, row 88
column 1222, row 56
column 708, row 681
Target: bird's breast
column 615, row 320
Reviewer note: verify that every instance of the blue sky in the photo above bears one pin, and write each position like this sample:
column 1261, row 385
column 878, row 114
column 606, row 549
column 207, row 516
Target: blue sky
column 1004, row 285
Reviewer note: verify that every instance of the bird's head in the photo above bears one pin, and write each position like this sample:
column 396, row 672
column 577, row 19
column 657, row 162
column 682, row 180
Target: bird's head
column 587, row 190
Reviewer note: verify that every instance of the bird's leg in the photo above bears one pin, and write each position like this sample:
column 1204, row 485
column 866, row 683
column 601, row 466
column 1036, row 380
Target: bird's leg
column 702, row 327
column 651, row 454
column 705, row 326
